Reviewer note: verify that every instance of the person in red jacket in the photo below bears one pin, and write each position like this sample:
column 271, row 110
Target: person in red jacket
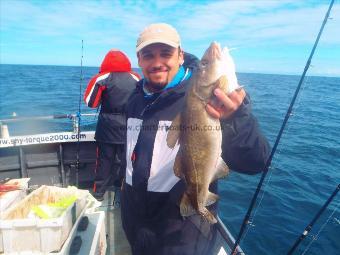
column 110, row 89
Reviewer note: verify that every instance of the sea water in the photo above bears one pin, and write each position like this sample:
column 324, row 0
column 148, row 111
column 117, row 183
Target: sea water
column 304, row 171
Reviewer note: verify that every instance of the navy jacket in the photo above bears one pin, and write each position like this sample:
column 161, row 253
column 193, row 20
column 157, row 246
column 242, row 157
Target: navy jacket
column 151, row 192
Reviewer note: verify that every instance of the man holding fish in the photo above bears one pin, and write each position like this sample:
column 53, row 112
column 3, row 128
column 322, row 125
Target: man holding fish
column 188, row 122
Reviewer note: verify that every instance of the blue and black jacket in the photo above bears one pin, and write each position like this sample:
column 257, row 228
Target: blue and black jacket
column 151, row 192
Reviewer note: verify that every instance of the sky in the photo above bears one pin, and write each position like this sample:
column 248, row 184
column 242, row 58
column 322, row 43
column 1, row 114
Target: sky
column 269, row 36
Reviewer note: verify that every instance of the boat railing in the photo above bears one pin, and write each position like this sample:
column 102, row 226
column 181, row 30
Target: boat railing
column 4, row 132
column 227, row 237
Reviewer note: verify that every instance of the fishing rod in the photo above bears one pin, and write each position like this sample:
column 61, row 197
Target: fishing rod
column 310, row 225
column 79, row 114
column 278, row 138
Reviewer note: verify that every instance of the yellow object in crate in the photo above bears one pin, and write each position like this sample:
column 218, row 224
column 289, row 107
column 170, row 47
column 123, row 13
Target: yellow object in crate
column 53, row 210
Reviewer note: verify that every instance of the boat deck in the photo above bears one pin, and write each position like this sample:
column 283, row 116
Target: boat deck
column 117, row 243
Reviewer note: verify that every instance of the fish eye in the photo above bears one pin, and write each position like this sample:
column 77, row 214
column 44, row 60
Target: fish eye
column 204, row 63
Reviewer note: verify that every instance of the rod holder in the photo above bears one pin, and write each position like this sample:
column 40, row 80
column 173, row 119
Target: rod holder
column 4, row 131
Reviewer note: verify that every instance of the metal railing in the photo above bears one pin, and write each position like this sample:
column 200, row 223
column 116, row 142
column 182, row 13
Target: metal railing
column 4, row 132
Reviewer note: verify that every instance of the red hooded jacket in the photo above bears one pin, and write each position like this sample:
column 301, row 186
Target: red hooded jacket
column 110, row 89
column 114, row 61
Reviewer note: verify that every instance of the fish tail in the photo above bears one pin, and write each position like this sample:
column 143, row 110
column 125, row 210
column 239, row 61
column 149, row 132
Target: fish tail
column 186, row 207
column 211, row 199
column 204, row 212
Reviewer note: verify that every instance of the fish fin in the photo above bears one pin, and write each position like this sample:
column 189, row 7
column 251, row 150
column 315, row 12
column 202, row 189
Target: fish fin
column 222, row 170
column 186, row 208
column 178, row 165
column 173, row 134
column 204, row 212
column 211, row 199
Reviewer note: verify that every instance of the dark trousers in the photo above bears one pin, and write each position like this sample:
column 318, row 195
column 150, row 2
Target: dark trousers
column 108, row 171
column 183, row 237
column 168, row 233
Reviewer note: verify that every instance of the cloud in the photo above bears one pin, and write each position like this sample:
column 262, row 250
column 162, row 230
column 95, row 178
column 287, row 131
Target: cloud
column 234, row 20
column 256, row 21
column 251, row 26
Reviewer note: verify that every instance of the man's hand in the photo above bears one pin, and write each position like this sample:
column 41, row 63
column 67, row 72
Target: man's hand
column 225, row 105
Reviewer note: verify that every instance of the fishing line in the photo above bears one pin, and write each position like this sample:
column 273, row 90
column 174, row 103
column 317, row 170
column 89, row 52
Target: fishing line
column 79, row 114
column 316, row 217
column 321, row 228
column 278, row 157
column 277, row 160
column 268, row 162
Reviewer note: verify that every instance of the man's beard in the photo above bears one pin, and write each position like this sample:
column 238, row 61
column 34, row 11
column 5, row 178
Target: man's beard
column 155, row 87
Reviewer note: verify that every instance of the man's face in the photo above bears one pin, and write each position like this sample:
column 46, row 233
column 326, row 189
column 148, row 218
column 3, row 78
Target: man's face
column 159, row 63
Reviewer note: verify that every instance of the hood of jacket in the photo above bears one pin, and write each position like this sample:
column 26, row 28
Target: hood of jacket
column 115, row 61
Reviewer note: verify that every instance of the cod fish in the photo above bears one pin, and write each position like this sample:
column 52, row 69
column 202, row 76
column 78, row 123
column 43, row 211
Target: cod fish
column 198, row 161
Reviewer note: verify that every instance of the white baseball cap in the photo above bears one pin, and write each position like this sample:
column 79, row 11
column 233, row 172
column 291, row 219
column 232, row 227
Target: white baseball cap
column 158, row 33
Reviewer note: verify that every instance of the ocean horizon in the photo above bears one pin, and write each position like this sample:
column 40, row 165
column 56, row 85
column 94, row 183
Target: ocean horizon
column 137, row 68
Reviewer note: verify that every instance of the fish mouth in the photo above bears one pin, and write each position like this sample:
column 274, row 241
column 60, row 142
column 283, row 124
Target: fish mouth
column 213, row 52
column 216, row 50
